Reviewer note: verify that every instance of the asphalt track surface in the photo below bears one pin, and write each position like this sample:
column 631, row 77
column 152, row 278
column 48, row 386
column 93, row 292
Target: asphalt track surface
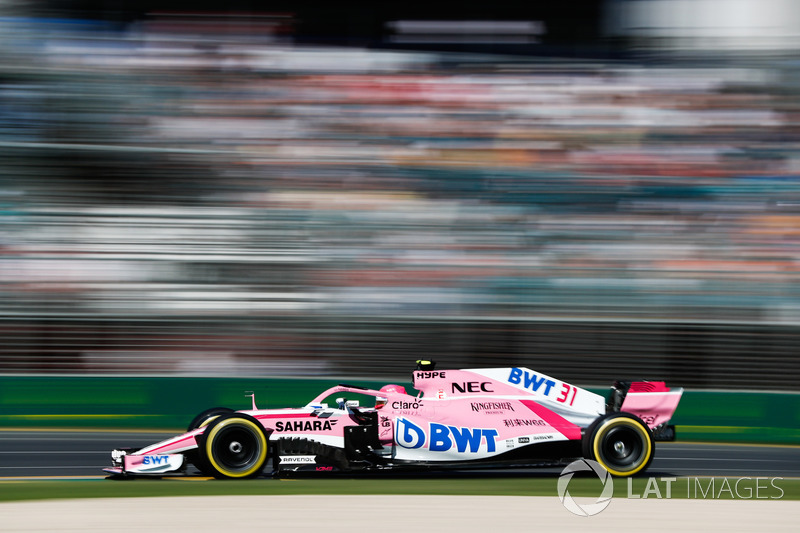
column 25, row 453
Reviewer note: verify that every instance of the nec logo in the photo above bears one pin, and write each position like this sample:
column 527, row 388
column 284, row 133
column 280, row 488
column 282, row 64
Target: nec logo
column 155, row 460
column 472, row 386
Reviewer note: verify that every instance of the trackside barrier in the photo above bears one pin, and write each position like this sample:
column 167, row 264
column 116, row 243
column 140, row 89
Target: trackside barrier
column 142, row 402
column 169, row 403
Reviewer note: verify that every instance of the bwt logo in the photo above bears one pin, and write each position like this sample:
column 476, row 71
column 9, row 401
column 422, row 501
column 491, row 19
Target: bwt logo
column 530, row 381
column 443, row 438
column 155, row 460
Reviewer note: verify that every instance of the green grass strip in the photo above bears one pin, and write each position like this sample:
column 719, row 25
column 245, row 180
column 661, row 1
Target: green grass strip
column 763, row 488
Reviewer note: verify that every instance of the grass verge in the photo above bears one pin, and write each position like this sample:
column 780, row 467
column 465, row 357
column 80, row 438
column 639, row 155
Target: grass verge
column 645, row 488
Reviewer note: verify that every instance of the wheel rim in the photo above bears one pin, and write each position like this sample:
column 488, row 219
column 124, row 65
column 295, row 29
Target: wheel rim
column 622, row 446
column 236, row 447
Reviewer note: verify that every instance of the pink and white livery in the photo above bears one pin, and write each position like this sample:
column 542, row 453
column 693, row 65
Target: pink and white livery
column 498, row 416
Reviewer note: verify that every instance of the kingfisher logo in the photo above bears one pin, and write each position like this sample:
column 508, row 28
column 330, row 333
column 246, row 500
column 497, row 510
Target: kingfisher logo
column 442, row 438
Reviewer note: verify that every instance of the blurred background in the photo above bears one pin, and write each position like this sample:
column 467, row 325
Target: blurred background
column 597, row 189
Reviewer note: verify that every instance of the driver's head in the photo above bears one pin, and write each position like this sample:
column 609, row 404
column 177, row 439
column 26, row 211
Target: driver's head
column 393, row 388
column 380, row 401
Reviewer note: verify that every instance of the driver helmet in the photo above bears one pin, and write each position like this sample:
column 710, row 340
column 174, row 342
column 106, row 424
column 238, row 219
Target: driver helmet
column 380, row 401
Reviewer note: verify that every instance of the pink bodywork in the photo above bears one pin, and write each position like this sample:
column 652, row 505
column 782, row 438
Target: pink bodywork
column 459, row 414
column 655, row 406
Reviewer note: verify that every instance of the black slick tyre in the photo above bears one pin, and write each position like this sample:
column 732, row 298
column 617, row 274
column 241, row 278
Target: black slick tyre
column 207, row 416
column 234, row 446
column 620, row 442
column 197, row 457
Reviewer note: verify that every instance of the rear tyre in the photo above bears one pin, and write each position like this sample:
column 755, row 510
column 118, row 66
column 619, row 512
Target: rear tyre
column 234, row 446
column 621, row 443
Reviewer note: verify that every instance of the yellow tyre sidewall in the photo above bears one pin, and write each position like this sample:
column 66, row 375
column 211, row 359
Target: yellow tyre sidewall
column 605, row 427
column 257, row 431
column 207, row 421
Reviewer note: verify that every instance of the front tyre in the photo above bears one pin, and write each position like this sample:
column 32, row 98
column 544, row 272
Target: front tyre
column 621, row 443
column 235, row 447
column 196, row 457
column 204, row 418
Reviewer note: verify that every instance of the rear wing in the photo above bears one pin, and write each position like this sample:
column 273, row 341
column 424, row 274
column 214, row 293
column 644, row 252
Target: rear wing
column 652, row 401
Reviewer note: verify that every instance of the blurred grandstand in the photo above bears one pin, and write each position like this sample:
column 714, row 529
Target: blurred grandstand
column 177, row 199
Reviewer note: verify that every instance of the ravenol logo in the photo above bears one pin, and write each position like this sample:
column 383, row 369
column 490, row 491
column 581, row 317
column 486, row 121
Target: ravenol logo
column 443, row 438
column 589, row 509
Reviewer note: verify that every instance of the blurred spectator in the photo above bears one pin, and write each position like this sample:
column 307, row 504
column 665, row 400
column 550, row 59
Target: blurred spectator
column 212, row 182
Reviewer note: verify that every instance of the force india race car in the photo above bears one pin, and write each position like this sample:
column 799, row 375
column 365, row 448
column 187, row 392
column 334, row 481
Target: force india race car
column 503, row 417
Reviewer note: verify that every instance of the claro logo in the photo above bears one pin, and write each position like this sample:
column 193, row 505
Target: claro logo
column 406, row 405
column 442, row 438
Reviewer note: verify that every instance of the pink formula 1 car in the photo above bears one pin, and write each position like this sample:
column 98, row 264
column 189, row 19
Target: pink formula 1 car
column 505, row 417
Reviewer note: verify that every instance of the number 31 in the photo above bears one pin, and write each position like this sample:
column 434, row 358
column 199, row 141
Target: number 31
column 565, row 391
